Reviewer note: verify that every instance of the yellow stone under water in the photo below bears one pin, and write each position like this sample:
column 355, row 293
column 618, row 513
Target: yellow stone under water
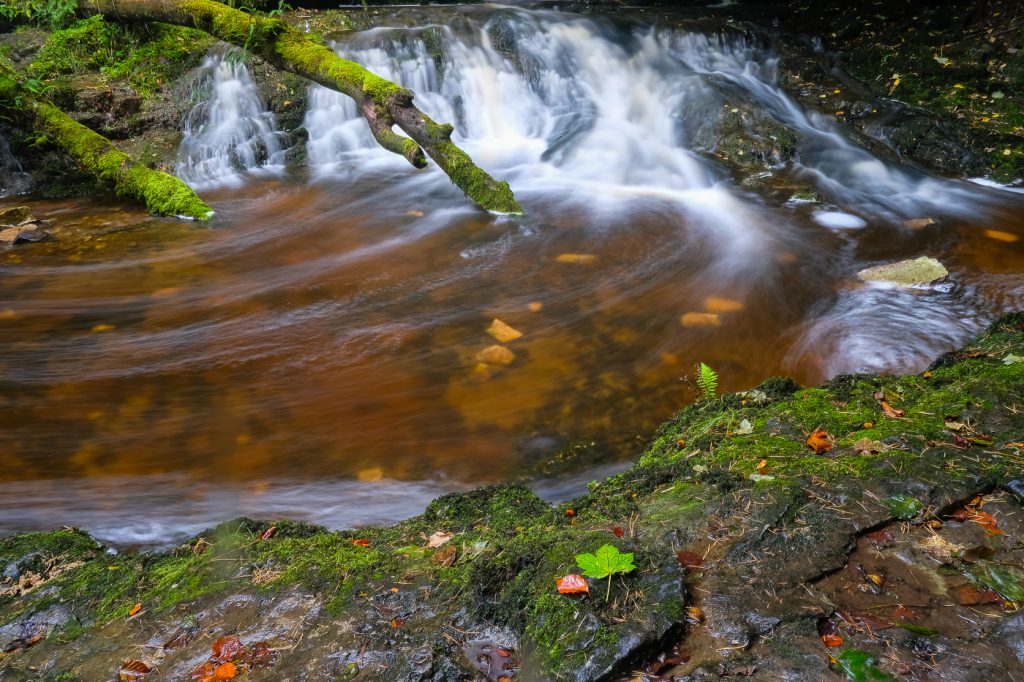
column 716, row 304
column 503, row 332
column 1001, row 236
column 496, row 355
column 700, row 320
column 581, row 258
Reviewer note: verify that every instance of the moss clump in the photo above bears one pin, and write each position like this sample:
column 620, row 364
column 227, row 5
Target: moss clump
column 146, row 56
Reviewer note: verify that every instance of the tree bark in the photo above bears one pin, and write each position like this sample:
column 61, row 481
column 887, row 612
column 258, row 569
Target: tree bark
column 163, row 194
column 383, row 103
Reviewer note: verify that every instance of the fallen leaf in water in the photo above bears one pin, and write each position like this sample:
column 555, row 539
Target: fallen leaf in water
column 875, row 579
column 881, row 538
column 582, row 258
column 415, row 214
column 439, row 538
column 534, row 306
column 1001, row 236
column 204, row 672
column 969, row 595
column 832, row 641
column 688, row 559
column 225, row 671
column 444, row 556
column 694, row 615
column 226, row 648
column 700, row 320
column 103, row 328
column 503, row 332
column 132, row 670
column 496, row 355
column 135, row 610
column 268, row 533
column 714, row 304
column 903, row 507
column 918, row 223
column 572, row 584
column 820, row 442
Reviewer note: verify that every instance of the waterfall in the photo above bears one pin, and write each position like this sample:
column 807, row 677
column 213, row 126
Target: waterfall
column 13, row 179
column 564, row 103
column 229, row 132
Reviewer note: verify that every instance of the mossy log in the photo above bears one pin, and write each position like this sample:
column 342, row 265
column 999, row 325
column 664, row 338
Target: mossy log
column 383, row 103
column 163, row 194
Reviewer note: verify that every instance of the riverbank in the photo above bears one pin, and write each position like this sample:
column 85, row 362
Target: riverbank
column 870, row 526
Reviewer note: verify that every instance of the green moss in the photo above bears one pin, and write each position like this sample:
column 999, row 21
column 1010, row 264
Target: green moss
column 146, row 56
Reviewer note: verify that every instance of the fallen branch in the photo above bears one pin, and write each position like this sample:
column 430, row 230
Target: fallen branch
column 163, row 194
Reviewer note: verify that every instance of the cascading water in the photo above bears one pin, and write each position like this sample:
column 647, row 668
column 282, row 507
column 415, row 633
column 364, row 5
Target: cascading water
column 13, row 179
column 229, row 132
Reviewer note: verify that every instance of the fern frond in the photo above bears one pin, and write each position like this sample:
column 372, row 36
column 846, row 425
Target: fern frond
column 707, row 381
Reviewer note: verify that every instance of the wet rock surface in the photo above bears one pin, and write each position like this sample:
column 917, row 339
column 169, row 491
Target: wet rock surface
column 895, row 551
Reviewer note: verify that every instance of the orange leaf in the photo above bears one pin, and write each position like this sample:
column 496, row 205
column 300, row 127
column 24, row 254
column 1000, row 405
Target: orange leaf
column 690, row 560
column 268, row 533
column 572, row 584
column 618, row 531
column 225, row 671
column 570, row 513
column 969, row 595
column 361, row 542
column 820, row 442
column 226, row 648
column 832, row 641
column 132, row 670
column 204, row 672
column 135, row 610
column 891, row 411
column 987, row 521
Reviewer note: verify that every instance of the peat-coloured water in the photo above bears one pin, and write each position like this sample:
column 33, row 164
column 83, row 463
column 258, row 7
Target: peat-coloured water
column 315, row 352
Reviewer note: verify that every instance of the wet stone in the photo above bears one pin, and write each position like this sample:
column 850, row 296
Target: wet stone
column 14, row 215
column 906, row 273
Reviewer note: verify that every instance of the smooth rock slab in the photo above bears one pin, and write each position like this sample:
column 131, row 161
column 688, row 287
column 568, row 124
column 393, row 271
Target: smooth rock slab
column 906, row 273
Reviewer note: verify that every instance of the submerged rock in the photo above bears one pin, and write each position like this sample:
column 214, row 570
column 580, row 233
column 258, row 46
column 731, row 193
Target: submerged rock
column 14, row 215
column 907, row 273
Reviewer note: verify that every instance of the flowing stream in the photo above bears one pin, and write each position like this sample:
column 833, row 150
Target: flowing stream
column 315, row 353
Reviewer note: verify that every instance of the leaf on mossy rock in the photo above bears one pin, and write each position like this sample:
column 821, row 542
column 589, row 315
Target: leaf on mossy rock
column 572, row 584
column 859, row 666
column 132, row 670
column 606, row 561
column 1007, row 583
column 820, row 441
column 903, row 507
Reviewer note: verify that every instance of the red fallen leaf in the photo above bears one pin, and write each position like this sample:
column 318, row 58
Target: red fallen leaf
column 570, row 513
column 891, row 411
column 504, row 653
column 226, row 648
column 820, row 442
column 361, row 542
column 132, row 670
column 618, row 531
column 882, row 538
column 268, row 533
column 969, row 595
column 572, row 584
column 962, row 514
column 689, row 560
column 832, row 641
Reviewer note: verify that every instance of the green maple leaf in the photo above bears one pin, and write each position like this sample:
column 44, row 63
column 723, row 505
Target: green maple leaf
column 604, row 563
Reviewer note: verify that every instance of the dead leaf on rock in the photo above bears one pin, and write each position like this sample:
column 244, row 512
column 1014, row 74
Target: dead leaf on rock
column 694, row 615
column 135, row 611
column 268, row 533
column 572, row 584
column 832, row 640
column 690, row 560
column 439, row 538
column 969, row 595
column 226, row 648
column 867, row 446
column 820, row 441
column 132, row 670
column 445, row 555
column 503, row 332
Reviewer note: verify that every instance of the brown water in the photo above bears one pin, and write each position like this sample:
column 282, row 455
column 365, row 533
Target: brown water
column 313, row 352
